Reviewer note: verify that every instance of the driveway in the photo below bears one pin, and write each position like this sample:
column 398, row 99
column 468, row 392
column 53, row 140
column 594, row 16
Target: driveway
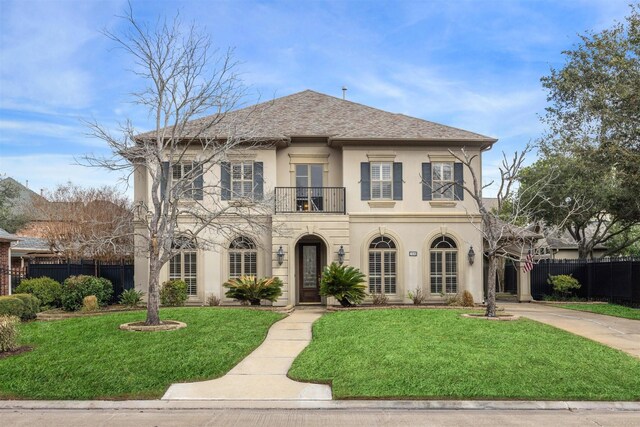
column 616, row 332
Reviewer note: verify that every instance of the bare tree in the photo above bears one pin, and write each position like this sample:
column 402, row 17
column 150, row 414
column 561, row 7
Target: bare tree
column 182, row 159
column 89, row 223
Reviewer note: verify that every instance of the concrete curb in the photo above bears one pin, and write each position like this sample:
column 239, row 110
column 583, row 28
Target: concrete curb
column 516, row 405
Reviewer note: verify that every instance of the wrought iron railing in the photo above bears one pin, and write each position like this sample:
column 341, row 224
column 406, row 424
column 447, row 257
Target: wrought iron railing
column 310, row 200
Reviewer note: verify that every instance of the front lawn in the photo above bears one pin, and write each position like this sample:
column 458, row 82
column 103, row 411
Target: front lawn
column 438, row 354
column 608, row 309
column 90, row 358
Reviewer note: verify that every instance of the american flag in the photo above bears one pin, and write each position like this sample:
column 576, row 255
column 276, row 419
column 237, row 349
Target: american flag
column 528, row 263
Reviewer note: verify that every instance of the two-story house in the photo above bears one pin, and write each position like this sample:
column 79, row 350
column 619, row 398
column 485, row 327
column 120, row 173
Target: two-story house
column 353, row 184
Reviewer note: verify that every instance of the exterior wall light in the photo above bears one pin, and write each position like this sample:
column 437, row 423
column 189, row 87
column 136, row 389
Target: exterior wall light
column 280, row 255
column 341, row 255
column 471, row 255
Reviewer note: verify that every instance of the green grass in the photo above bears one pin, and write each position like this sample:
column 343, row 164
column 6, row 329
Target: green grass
column 608, row 309
column 438, row 354
column 90, row 358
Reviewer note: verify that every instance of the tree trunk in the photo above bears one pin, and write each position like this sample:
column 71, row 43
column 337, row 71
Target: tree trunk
column 153, row 303
column 491, row 287
column 501, row 268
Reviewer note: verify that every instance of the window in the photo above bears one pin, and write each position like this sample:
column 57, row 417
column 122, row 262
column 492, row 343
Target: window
column 187, row 188
column 242, row 179
column 183, row 265
column 381, row 180
column 243, row 258
column 444, row 266
column 382, row 266
column 309, row 187
column 442, row 179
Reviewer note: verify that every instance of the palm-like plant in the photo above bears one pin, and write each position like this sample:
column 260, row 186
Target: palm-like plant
column 252, row 289
column 344, row 283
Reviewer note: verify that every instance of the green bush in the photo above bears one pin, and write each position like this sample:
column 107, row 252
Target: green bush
column 344, row 283
column 131, row 298
column 252, row 289
column 8, row 333
column 75, row 288
column 563, row 284
column 47, row 290
column 31, row 306
column 11, row 306
column 173, row 293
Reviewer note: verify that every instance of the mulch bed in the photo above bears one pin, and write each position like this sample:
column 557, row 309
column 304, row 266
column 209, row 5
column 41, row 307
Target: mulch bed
column 19, row 350
column 406, row 307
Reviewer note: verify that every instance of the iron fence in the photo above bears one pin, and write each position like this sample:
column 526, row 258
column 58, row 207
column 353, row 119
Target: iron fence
column 310, row 200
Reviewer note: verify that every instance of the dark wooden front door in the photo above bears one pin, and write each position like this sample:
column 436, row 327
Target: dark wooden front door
column 309, row 272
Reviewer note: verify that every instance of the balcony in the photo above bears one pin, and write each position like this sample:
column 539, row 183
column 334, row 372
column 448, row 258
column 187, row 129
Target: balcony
column 310, row 200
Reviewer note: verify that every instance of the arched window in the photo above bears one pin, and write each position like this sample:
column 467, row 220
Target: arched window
column 382, row 266
column 243, row 257
column 444, row 266
column 183, row 265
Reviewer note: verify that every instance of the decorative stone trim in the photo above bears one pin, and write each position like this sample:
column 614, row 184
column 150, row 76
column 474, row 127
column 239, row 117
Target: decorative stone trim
column 165, row 325
column 442, row 203
column 382, row 204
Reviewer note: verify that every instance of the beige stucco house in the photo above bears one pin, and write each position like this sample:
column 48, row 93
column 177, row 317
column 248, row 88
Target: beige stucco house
column 351, row 183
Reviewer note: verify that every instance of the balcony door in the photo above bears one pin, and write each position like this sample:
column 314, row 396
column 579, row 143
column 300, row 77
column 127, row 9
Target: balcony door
column 309, row 187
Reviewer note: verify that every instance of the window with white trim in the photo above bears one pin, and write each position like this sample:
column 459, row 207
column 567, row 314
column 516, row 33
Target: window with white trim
column 442, row 180
column 243, row 258
column 382, row 266
column 183, row 265
column 242, row 179
column 187, row 188
column 443, row 257
column 381, row 180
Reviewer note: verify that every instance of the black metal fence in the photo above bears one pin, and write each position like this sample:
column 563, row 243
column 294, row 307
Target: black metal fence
column 120, row 274
column 615, row 280
column 310, row 199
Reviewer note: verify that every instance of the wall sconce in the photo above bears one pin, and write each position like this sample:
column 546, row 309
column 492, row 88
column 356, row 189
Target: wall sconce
column 341, row 255
column 280, row 255
column 471, row 255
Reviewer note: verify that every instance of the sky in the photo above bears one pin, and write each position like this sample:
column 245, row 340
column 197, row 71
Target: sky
column 472, row 64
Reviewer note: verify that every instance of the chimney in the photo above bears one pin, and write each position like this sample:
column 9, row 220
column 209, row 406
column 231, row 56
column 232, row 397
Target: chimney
column 26, row 183
column 344, row 92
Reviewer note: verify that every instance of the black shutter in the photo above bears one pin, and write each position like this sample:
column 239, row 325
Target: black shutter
column 458, row 177
column 164, row 178
column 365, row 181
column 198, row 182
column 397, row 181
column 258, row 180
column 225, row 180
column 426, row 182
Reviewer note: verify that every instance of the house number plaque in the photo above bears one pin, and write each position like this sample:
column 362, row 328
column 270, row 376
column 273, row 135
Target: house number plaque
column 413, row 253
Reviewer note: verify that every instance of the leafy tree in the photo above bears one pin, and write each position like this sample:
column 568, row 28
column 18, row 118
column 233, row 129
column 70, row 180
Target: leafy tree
column 10, row 220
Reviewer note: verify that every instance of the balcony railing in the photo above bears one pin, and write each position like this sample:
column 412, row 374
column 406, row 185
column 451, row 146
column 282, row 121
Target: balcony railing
column 310, row 200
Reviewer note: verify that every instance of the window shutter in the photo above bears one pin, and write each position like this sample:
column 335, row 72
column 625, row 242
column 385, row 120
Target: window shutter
column 164, row 178
column 258, row 180
column 225, row 180
column 198, row 182
column 458, row 177
column 397, row 181
column 426, row 182
column 365, row 181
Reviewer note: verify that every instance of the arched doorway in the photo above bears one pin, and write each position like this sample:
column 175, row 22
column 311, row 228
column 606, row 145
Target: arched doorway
column 310, row 260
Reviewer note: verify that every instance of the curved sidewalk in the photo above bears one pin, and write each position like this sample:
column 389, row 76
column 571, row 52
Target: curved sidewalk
column 263, row 374
column 616, row 332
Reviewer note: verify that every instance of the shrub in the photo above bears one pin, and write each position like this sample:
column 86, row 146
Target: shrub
column 90, row 303
column 11, row 306
column 252, row 289
column 75, row 288
column 467, row 299
column 344, row 283
column 213, row 300
column 131, row 298
column 173, row 293
column 8, row 333
column 417, row 296
column 455, row 299
column 563, row 284
column 31, row 306
column 379, row 299
column 47, row 290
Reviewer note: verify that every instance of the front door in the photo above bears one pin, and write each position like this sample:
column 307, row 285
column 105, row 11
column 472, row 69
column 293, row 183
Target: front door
column 309, row 272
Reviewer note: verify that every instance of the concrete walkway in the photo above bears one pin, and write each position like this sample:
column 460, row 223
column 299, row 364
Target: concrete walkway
column 616, row 332
column 263, row 374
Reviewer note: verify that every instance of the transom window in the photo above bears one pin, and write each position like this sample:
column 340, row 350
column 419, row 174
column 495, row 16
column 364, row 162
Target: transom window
column 382, row 266
column 187, row 188
column 444, row 266
column 242, row 179
column 381, row 180
column 243, row 258
column 183, row 265
column 442, row 180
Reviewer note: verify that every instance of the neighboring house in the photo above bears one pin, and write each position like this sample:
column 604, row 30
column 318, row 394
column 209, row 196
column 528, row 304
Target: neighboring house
column 351, row 182
column 565, row 247
column 6, row 239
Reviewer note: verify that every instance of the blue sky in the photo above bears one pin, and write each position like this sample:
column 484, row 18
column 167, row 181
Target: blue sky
column 470, row 64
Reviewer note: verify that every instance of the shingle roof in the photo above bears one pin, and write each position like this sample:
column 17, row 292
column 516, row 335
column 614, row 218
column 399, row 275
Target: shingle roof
column 31, row 243
column 7, row 237
column 310, row 113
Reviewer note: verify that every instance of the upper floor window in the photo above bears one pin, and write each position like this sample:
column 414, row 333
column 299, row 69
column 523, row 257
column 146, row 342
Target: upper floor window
column 382, row 266
column 243, row 258
column 442, row 179
column 382, row 180
column 185, row 182
column 242, row 179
